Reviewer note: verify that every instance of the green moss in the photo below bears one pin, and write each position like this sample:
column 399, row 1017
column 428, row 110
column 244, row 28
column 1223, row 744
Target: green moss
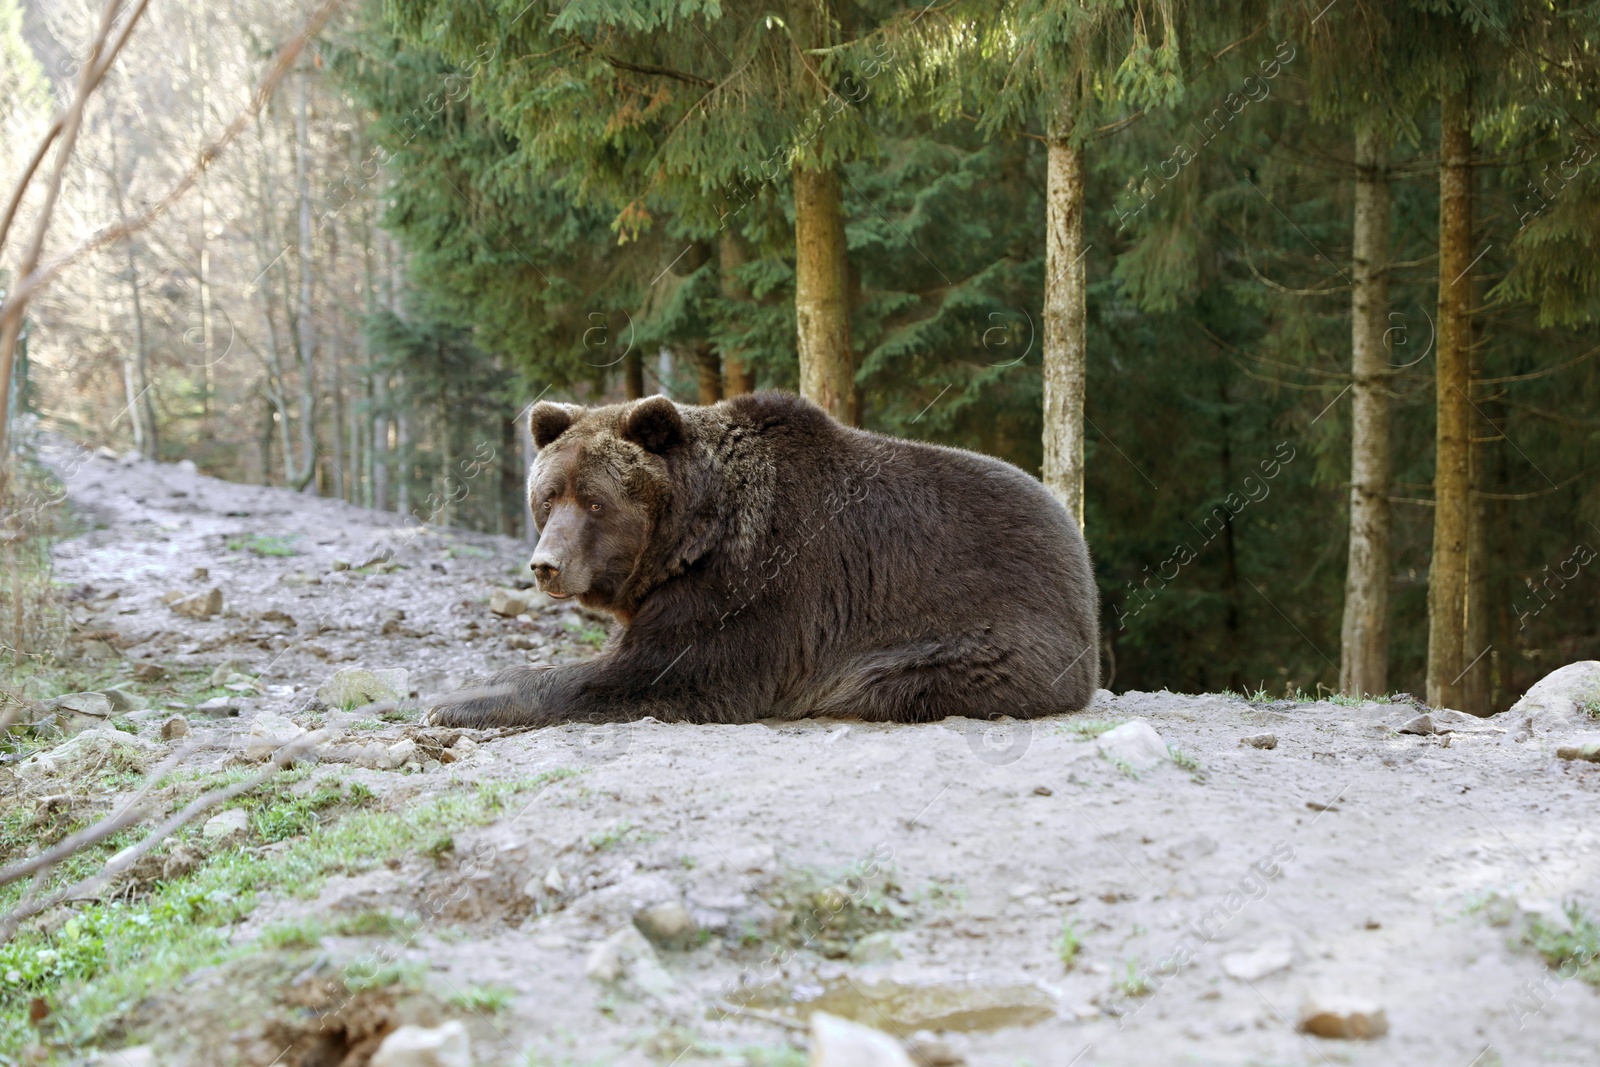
column 263, row 545
column 1068, row 943
column 483, row 999
column 1573, row 953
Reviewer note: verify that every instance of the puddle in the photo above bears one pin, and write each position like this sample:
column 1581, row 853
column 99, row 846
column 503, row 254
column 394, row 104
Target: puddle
column 964, row 1006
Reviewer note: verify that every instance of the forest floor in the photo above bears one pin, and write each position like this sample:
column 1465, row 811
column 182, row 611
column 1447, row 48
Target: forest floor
column 994, row 895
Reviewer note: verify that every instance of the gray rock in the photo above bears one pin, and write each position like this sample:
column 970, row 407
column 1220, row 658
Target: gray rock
column 199, row 605
column 352, row 687
column 1352, row 1018
column 878, row 947
column 174, row 728
column 667, row 925
column 419, row 1046
column 133, row 1056
column 218, row 707
column 402, row 752
column 95, row 705
column 514, row 602
column 1260, row 741
column 1270, row 958
column 123, row 701
column 149, row 672
column 927, row 1050
column 627, row 957
column 1566, row 698
column 227, row 669
column 225, row 825
column 1423, row 724
column 837, row 1042
column 1134, row 745
column 1582, row 747
column 268, row 733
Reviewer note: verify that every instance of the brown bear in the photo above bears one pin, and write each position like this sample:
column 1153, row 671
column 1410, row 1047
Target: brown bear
column 766, row 561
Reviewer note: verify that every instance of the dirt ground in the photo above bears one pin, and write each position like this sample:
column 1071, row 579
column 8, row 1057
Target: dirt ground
column 919, row 878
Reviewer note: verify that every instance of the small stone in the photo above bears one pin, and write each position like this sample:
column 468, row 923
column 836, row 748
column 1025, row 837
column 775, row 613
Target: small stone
column 627, row 956
column 926, row 1050
column 123, row 701
column 352, row 687
column 1343, row 1017
column 419, row 1046
column 1133, row 744
column 668, row 925
column 225, row 670
column 218, row 707
column 513, row 602
column 228, row 824
column 341, row 564
column 1264, row 741
column 135, row 1056
column 464, row 747
column 201, row 574
column 1424, row 724
column 553, row 882
column 1043, row 791
column 1583, row 747
column 837, row 1042
column 172, row 596
column 199, row 605
column 1270, row 958
column 174, row 728
column 402, row 752
column 268, row 733
column 876, row 947
column 374, row 757
column 149, row 672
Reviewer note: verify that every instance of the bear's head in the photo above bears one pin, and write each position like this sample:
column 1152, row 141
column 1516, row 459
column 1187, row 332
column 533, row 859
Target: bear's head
column 600, row 489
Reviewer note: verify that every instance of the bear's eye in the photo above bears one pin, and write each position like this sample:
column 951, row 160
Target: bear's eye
column 545, row 505
column 594, row 507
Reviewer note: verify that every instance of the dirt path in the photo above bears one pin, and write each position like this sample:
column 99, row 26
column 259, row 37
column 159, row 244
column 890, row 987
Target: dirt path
column 1348, row 861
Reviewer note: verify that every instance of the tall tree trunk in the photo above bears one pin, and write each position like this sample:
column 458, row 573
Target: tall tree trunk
column 827, row 371
column 633, row 375
column 1364, row 637
column 1474, row 685
column 402, row 447
column 1065, row 348
column 708, row 373
column 736, row 376
column 1447, row 570
column 305, row 310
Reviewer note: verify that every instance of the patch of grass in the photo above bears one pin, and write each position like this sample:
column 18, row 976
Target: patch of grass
column 1134, row 983
column 1573, row 953
column 124, row 725
column 611, row 836
column 291, row 816
column 483, row 999
column 263, row 545
column 366, row 974
column 1591, row 707
column 1187, row 763
column 309, row 932
column 1088, row 729
column 367, row 724
column 585, row 633
column 114, row 953
column 1068, row 943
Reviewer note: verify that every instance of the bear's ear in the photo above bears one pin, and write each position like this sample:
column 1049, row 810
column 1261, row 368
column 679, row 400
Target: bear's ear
column 548, row 421
column 654, row 425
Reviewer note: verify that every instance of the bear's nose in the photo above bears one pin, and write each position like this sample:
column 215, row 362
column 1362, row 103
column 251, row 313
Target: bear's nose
column 545, row 572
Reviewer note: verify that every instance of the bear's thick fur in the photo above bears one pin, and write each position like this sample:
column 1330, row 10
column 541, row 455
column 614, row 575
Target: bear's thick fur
column 767, row 561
